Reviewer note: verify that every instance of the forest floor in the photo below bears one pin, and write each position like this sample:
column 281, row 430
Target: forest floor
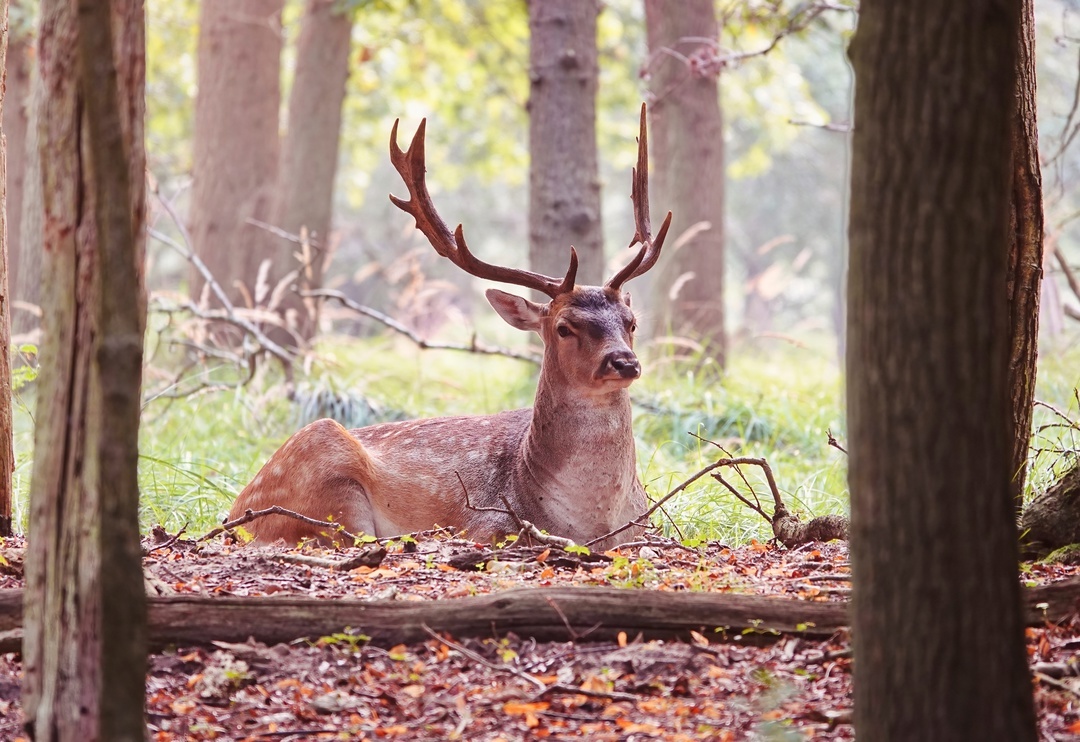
column 742, row 686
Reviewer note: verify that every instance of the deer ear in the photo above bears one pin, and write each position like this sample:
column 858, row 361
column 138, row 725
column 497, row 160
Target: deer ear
column 626, row 298
column 517, row 311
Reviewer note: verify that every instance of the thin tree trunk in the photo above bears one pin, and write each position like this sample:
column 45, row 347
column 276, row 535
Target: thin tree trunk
column 1025, row 252
column 236, row 138
column 938, row 635
column 85, row 641
column 688, row 130
column 27, row 282
column 564, row 182
column 305, row 191
column 7, row 454
column 15, row 121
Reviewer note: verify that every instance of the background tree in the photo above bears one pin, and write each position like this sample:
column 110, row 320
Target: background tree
column 564, row 181
column 937, row 627
column 84, row 645
column 688, row 158
column 309, row 158
column 236, row 139
column 7, row 454
column 18, row 67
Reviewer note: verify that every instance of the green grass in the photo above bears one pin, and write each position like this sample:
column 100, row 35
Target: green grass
column 198, row 452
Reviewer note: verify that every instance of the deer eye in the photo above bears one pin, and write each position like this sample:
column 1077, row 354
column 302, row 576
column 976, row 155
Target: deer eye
column 633, row 327
column 564, row 331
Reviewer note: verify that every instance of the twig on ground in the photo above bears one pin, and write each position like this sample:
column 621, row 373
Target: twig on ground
column 167, row 542
column 485, row 661
column 1054, row 683
column 574, row 690
column 367, row 558
column 250, row 515
column 821, row 659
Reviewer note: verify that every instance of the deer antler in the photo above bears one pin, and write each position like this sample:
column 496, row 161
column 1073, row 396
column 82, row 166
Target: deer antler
column 410, row 165
column 639, row 194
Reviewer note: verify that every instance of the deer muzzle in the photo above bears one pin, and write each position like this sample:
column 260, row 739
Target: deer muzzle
column 620, row 364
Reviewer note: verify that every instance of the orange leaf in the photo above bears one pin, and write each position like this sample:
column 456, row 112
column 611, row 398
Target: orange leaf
column 594, row 684
column 414, row 690
column 543, row 555
column 631, row 727
column 654, row 705
column 699, row 639
column 1073, row 728
column 547, row 573
column 392, row 731
column 519, row 708
column 622, row 638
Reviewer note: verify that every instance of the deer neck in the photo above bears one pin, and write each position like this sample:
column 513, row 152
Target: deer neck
column 579, row 468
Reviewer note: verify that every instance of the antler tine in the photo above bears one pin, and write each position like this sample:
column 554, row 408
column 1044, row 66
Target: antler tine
column 410, row 165
column 639, row 195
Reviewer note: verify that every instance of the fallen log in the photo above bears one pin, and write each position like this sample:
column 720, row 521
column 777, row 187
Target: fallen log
column 545, row 614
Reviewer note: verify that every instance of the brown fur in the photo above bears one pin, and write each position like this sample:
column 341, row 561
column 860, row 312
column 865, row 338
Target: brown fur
column 568, row 465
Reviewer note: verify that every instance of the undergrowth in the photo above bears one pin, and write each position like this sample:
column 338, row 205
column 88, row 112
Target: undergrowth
column 198, row 452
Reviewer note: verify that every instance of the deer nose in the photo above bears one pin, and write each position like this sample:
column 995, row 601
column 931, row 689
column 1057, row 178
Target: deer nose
column 622, row 363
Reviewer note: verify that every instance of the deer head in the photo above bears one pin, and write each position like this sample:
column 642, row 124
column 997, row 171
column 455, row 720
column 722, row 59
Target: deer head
column 588, row 331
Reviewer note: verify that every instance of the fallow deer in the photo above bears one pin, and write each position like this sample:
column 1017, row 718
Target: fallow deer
column 567, row 464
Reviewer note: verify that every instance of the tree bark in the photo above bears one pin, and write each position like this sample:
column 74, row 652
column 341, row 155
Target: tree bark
column 235, row 138
column 1025, row 251
column 305, row 190
column 938, row 634
column 7, row 453
column 85, row 641
column 689, row 160
column 564, row 180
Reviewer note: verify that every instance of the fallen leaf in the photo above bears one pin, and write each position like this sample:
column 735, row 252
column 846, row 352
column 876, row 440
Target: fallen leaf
column 520, row 708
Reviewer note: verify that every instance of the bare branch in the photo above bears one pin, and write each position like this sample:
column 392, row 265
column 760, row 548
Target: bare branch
column 474, row 347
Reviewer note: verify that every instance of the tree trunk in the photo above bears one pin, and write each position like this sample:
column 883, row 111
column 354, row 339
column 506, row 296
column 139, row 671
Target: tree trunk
column 15, row 121
column 689, row 159
column 938, row 634
column 236, row 138
column 564, row 182
column 7, row 453
column 305, row 191
column 1025, row 252
column 27, row 281
column 85, row 643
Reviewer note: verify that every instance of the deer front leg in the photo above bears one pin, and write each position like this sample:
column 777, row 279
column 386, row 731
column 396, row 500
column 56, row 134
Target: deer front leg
column 321, row 472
